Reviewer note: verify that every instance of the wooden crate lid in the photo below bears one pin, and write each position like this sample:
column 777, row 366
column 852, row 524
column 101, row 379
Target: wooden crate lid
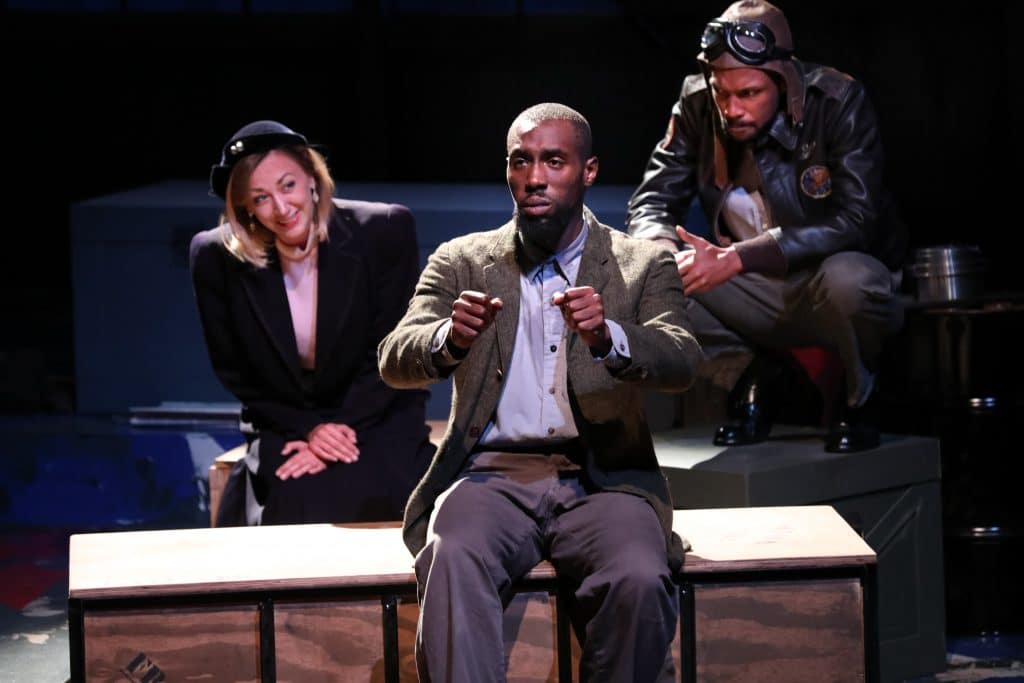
column 749, row 539
column 236, row 559
column 232, row 559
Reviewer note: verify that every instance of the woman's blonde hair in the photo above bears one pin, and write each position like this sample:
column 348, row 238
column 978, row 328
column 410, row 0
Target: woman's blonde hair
column 243, row 235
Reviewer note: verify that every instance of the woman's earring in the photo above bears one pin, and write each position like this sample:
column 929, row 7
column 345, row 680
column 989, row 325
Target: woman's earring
column 252, row 223
column 316, row 208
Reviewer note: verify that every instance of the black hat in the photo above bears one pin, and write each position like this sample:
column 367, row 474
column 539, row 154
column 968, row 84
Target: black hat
column 254, row 138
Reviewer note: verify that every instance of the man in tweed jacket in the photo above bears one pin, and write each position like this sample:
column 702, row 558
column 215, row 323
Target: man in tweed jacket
column 551, row 326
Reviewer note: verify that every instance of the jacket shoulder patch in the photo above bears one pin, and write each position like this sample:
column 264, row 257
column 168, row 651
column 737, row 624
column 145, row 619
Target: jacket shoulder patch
column 816, row 182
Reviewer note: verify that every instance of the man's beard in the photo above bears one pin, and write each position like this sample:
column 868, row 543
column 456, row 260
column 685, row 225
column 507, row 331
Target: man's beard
column 543, row 233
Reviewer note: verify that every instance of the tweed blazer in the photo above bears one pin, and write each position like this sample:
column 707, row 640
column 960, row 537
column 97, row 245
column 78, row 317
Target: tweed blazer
column 640, row 290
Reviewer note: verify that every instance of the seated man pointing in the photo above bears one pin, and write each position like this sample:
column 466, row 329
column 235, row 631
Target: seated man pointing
column 551, row 326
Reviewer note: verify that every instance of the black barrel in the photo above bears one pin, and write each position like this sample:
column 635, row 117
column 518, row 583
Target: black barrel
column 956, row 372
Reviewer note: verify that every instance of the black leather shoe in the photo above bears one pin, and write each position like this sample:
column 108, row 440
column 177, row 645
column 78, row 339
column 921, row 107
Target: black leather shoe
column 855, row 430
column 753, row 427
column 749, row 404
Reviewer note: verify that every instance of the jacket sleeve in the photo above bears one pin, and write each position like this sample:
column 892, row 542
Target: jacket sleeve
column 210, row 273
column 404, row 357
column 664, row 352
column 663, row 198
column 854, row 160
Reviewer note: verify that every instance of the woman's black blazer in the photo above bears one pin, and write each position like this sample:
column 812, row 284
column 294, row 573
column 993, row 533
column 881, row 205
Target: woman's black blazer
column 367, row 270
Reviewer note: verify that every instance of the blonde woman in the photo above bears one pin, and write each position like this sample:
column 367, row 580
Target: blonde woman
column 295, row 290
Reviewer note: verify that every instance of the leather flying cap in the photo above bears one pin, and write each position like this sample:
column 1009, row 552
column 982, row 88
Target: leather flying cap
column 254, row 138
column 772, row 17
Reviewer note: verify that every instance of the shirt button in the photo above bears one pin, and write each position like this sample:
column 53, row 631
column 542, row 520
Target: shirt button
column 553, row 348
column 551, row 430
column 551, row 390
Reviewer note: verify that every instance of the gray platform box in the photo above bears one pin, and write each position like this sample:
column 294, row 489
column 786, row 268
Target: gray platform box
column 891, row 495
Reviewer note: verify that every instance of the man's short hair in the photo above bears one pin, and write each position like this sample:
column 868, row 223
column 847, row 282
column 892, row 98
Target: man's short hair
column 553, row 111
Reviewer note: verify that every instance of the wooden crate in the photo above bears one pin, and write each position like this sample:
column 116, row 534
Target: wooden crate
column 767, row 594
column 180, row 642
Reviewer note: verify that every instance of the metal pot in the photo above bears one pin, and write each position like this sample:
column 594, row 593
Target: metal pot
column 948, row 273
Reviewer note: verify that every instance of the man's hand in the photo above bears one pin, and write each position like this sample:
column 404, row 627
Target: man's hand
column 300, row 461
column 584, row 313
column 705, row 266
column 334, row 442
column 472, row 313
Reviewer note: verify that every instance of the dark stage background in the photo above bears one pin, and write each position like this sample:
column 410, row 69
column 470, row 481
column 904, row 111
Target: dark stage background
column 127, row 94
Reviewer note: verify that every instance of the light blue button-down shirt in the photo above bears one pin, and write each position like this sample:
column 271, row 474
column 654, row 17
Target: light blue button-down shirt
column 534, row 404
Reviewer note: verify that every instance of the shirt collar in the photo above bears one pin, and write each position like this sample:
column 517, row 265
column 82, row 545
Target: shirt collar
column 568, row 256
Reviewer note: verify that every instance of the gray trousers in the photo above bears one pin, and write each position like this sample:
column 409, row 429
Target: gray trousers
column 503, row 516
column 847, row 303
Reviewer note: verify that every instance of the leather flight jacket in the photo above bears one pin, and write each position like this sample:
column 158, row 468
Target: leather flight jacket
column 821, row 178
